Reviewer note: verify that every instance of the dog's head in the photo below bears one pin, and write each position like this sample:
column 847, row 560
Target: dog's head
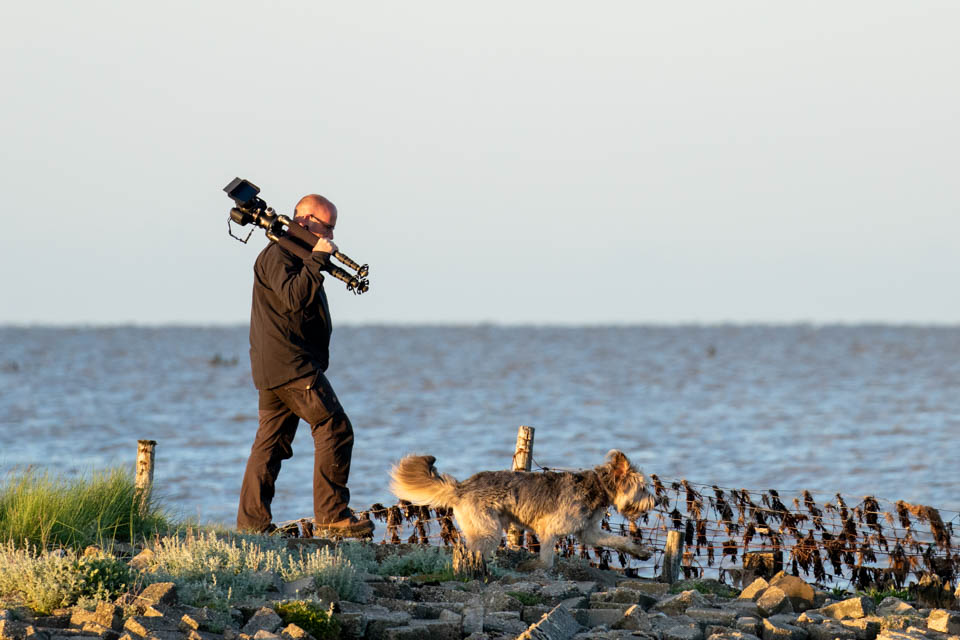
column 630, row 496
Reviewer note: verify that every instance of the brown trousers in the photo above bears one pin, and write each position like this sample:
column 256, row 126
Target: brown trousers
column 281, row 409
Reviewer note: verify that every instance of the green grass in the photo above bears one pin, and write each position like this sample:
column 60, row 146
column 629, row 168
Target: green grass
column 216, row 571
column 45, row 581
column 310, row 617
column 38, row 509
column 526, row 599
column 878, row 596
column 420, row 561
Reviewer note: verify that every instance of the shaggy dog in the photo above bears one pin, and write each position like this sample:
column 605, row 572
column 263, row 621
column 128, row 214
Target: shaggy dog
column 550, row 504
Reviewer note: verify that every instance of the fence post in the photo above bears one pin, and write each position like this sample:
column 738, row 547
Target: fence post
column 522, row 458
column 144, row 479
column 672, row 554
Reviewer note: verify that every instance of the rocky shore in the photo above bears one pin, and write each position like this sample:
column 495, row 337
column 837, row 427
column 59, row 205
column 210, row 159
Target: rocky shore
column 574, row 601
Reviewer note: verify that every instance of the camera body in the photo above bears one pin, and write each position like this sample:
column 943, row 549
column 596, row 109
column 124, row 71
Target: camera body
column 244, row 194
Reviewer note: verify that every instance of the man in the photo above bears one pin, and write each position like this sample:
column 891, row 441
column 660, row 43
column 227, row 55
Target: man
column 289, row 353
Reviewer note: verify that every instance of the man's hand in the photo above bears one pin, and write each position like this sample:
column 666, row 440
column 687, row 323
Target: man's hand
column 326, row 246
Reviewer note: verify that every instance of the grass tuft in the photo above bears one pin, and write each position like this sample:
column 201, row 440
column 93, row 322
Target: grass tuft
column 309, row 616
column 41, row 510
column 217, row 571
column 46, row 581
column 426, row 560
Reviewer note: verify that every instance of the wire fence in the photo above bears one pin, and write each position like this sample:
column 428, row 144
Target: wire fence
column 730, row 534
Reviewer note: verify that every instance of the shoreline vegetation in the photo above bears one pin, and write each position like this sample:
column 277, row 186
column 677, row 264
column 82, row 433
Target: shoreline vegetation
column 90, row 557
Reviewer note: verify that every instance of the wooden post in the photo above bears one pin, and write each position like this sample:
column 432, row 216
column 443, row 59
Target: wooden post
column 144, row 480
column 672, row 555
column 522, row 459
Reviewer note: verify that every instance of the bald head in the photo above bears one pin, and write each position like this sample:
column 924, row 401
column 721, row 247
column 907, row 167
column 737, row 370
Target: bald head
column 317, row 214
column 310, row 204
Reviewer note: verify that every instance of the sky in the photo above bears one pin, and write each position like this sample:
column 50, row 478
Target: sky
column 496, row 162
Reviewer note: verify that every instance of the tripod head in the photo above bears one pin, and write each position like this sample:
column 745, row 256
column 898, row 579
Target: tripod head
column 288, row 234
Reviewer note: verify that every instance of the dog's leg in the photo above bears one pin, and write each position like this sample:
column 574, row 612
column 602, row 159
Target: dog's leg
column 547, row 544
column 481, row 528
column 599, row 538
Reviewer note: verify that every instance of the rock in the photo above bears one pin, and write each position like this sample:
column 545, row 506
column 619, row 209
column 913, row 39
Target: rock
column 912, row 633
column 294, row 632
column 858, row 607
column 500, row 601
column 865, row 628
column 634, row 619
column 12, row 629
column 473, row 616
column 808, row 618
column 159, row 593
column 265, row 619
column 576, row 602
column 558, row 624
column 944, row 621
column 772, row 601
column 595, row 617
column 352, row 625
column 748, row 625
column 891, row 606
column 655, row 589
column 754, row 590
column 829, row 630
column 531, row 614
column 107, row 615
column 557, row 591
column 801, row 594
column 529, row 588
column 390, row 589
column 142, row 560
column 675, row 605
column 52, row 622
column 623, row 596
column 196, row 620
column 144, row 626
column 424, row 630
column 781, row 631
column 451, row 616
column 902, row 623
column 706, row 586
column 96, row 629
column 716, row 617
column 730, row 634
column 744, row 607
column 263, row 634
column 376, row 621
column 683, row 632
column 507, row 622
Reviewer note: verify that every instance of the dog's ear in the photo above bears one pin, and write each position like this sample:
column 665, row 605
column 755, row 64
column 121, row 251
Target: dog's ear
column 619, row 464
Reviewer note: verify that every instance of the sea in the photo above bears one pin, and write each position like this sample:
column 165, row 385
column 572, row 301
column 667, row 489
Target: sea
column 855, row 410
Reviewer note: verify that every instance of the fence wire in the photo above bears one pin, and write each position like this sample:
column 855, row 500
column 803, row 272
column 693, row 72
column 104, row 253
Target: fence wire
column 729, row 533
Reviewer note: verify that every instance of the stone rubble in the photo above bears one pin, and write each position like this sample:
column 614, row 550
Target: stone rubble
column 571, row 603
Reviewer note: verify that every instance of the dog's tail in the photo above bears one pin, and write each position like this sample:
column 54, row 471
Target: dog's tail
column 414, row 478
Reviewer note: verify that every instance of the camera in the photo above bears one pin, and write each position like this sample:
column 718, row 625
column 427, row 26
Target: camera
column 251, row 209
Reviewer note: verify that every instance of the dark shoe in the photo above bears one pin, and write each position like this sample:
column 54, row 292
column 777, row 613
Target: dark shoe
column 346, row 528
column 286, row 531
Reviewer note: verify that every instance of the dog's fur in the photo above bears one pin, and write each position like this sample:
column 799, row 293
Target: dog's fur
column 550, row 504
